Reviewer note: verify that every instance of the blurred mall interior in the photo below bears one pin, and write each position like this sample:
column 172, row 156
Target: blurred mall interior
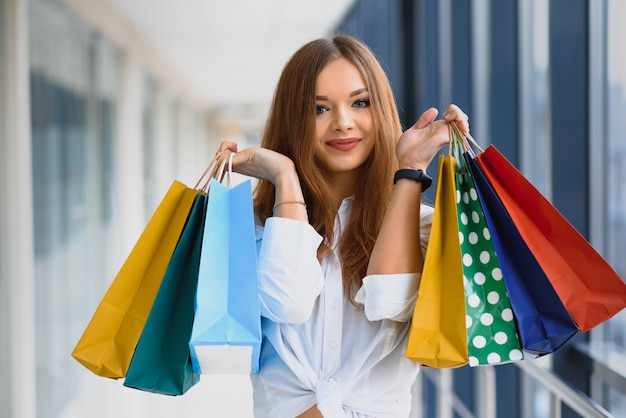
column 103, row 103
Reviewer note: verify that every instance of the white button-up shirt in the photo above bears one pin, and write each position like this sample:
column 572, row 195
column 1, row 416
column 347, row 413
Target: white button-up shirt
column 317, row 347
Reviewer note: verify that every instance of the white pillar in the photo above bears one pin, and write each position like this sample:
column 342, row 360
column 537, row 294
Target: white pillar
column 164, row 147
column 17, row 307
column 128, row 157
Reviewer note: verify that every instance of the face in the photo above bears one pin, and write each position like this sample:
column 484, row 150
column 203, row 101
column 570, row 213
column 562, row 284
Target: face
column 344, row 136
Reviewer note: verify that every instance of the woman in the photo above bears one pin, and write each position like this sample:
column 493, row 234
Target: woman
column 339, row 246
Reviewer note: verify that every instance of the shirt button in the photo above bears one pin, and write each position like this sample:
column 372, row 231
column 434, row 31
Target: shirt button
column 335, row 305
column 332, row 345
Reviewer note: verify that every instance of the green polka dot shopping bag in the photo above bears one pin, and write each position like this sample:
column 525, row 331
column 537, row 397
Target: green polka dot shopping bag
column 491, row 332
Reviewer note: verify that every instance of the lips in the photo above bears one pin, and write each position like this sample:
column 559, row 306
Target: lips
column 343, row 144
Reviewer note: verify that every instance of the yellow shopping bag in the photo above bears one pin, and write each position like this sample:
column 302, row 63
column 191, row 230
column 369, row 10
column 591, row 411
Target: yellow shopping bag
column 438, row 336
column 108, row 343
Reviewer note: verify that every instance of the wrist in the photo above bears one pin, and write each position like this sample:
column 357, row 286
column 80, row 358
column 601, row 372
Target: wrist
column 414, row 175
column 287, row 187
column 287, row 179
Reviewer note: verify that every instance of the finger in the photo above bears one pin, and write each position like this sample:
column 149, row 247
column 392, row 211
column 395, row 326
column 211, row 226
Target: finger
column 226, row 145
column 426, row 118
column 453, row 112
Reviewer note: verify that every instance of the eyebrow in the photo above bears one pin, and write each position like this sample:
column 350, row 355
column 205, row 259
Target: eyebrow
column 354, row 93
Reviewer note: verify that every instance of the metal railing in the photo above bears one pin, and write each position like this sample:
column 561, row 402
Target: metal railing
column 561, row 392
column 536, row 376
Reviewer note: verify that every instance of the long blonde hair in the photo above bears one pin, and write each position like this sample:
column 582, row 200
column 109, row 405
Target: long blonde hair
column 290, row 130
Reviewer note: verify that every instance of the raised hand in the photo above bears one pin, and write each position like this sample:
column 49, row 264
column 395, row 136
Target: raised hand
column 419, row 144
column 260, row 163
column 265, row 164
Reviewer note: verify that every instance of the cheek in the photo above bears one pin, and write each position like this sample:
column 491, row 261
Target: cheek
column 319, row 129
column 368, row 131
column 367, row 123
column 322, row 126
column 318, row 139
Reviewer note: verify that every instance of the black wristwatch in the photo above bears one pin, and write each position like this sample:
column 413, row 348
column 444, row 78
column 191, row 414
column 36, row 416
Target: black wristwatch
column 417, row 175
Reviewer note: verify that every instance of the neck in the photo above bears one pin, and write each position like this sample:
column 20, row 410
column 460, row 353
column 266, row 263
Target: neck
column 344, row 184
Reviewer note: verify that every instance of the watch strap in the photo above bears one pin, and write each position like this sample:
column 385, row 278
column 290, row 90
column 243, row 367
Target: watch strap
column 416, row 175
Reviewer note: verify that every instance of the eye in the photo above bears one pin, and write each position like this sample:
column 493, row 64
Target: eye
column 361, row 103
column 320, row 109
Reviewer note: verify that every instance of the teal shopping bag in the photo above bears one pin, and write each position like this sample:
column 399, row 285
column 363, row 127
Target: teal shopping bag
column 161, row 362
column 226, row 335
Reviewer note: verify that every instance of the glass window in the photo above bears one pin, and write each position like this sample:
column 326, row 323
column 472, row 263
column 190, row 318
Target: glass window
column 610, row 146
column 616, row 135
column 615, row 156
column 72, row 78
column 534, row 93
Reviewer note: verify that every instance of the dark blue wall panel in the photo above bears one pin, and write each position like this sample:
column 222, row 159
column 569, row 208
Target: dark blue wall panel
column 426, row 55
column 504, row 99
column 569, row 73
column 461, row 55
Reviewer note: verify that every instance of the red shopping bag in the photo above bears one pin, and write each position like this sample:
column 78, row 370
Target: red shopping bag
column 590, row 289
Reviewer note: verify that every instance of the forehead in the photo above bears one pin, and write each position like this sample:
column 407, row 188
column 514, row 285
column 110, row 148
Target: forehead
column 339, row 74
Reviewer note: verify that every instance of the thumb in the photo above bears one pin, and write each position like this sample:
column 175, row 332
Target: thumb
column 426, row 118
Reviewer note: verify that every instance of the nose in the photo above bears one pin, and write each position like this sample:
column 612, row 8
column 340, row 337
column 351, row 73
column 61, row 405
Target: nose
column 343, row 121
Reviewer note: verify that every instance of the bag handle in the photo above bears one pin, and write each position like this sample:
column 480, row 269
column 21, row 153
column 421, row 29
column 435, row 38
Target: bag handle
column 453, row 146
column 229, row 173
column 464, row 139
column 461, row 141
column 215, row 170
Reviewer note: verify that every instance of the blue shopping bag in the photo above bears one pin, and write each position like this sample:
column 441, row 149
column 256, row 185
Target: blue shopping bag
column 226, row 335
column 543, row 322
column 162, row 362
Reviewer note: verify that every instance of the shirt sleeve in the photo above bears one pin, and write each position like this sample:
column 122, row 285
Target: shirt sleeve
column 393, row 296
column 389, row 296
column 290, row 276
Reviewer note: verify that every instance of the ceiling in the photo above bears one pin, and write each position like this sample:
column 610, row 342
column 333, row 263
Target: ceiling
column 231, row 52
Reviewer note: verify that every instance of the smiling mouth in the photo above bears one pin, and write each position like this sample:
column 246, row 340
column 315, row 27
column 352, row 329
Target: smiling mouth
column 343, row 144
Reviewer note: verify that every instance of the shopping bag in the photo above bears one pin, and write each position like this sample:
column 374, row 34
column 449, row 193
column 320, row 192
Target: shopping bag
column 226, row 334
column 109, row 340
column 162, row 362
column 491, row 331
column 437, row 336
column 589, row 288
column 544, row 324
